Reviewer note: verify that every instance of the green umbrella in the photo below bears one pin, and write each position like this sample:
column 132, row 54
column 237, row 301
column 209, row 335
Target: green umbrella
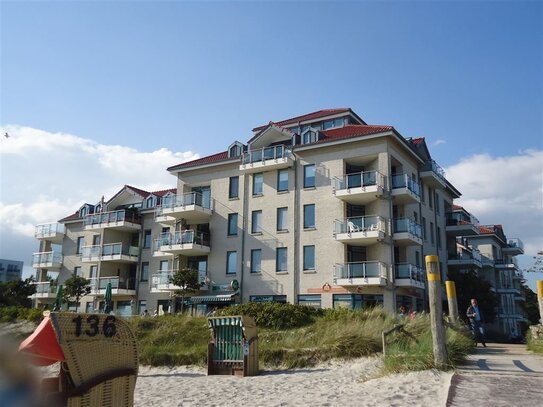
column 58, row 298
column 107, row 298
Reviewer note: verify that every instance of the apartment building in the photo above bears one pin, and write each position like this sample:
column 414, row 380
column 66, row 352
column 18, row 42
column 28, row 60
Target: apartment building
column 320, row 209
column 10, row 270
column 487, row 251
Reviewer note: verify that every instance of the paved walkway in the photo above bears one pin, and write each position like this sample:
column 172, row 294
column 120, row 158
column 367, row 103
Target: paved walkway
column 499, row 375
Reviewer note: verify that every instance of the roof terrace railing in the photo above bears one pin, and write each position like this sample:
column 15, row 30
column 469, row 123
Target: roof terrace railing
column 266, row 153
column 112, row 217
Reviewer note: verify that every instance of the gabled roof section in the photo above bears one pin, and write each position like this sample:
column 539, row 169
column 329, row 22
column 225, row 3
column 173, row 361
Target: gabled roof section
column 270, row 134
column 210, row 159
column 352, row 130
column 312, row 116
column 420, row 147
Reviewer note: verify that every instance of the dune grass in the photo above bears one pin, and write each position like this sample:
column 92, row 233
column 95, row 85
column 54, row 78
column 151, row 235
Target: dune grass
column 176, row 340
column 535, row 345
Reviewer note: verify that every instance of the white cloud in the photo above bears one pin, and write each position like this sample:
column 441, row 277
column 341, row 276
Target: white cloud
column 46, row 176
column 438, row 142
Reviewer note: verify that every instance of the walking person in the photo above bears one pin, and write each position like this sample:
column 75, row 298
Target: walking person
column 476, row 320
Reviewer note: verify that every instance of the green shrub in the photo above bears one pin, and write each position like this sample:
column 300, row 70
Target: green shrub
column 535, row 345
column 14, row 313
column 274, row 315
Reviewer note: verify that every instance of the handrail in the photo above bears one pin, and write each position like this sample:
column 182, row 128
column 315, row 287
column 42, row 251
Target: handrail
column 183, row 200
column 109, row 249
column 408, row 270
column 46, row 257
column 265, row 153
column 360, row 179
column 181, row 237
column 48, row 229
column 405, row 181
column 112, row 217
column 362, row 269
column 360, row 224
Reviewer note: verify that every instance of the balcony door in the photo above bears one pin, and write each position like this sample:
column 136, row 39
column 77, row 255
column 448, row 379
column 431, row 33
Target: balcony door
column 204, row 199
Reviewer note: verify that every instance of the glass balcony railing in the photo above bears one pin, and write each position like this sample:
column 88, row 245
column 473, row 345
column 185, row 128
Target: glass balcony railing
column 45, row 287
column 360, row 224
column 405, row 181
column 183, row 200
column 514, row 243
column 44, row 258
column 363, row 269
column 406, row 225
column 360, row 179
column 116, row 283
column 108, row 250
column 49, row 229
column 408, row 271
column 181, row 237
column 112, row 217
column 466, row 256
column 435, row 168
column 266, row 153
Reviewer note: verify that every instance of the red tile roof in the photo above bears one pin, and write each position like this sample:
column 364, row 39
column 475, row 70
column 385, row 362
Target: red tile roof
column 136, row 190
column 307, row 116
column 457, row 207
column 417, row 141
column 73, row 216
column 353, row 130
column 202, row 161
column 164, row 192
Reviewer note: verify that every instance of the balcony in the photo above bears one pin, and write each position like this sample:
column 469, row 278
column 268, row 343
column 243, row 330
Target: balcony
column 510, row 313
column 465, row 259
column 360, row 231
column 406, row 232
column 192, row 206
column 266, row 159
column 47, row 260
column 186, row 243
column 459, row 224
column 433, row 175
column 518, row 275
column 408, row 275
column 514, row 247
column 404, row 189
column 113, row 252
column 366, row 273
column 44, row 290
column 507, row 288
column 506, row 264
column 360, row 188
column 52, row 232
column 160, row 281
column 128, row 221
column 118, row 286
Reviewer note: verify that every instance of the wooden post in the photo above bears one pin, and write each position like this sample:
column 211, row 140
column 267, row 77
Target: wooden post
column 540, row 298
column 436, row 310
column 450, row 287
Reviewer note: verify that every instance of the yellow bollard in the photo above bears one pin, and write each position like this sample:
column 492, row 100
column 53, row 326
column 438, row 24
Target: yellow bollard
column 450, row 288
column 540, row 299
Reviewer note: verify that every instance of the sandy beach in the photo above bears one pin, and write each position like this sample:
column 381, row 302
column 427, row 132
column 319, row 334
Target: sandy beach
column 335, row 383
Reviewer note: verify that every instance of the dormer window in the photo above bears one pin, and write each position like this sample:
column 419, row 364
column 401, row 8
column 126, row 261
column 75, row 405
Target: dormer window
column 333, row 124
column 83, row 211
column 98, row 208
column 235, row 150
column 310, row 136
column 150, row 202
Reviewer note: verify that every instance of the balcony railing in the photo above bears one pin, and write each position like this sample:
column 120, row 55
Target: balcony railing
column 49, row 230
column 360, row 224
column 466, row 256
column 108, row 250
column 112, row 217
column 405, row 181
column 181, row 202
column 363, row 269
column 180, row 238
column 360, row 180
column 514, row 246
column 101, row 283
column 161, row 280
column 45, row 287
column 459, row 218
column 406, row 225
column 408, row 271
column 266, row 153
column 46, row 258
column 436, row 169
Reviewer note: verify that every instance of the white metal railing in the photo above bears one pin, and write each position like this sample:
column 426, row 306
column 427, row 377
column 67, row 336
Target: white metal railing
column 408, row 271
column 266, row 153
column 108, row 249
column 49, row 229
column 360, row 224
column 360, row 179
column 182, row 201
column 403, row 225
column 112, row 217
column 181, row 237
column 46, row 258
column 362, row 269
column 405, row 181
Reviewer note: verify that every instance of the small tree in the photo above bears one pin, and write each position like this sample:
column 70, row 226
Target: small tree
column 16, row 293
column 75, row 288
column 187, row 281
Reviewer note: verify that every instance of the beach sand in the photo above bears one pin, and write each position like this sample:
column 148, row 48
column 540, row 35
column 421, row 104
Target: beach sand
column 335, row 383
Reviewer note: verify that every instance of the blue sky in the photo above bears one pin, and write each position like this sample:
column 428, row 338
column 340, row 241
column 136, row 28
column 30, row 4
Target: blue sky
column 194, row 76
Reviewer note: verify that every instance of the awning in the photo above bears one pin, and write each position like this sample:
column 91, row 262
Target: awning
column 42, row 345
column 213, row 299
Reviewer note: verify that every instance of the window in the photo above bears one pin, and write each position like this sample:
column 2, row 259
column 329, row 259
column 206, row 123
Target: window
column 77, row 271
column 258, row 181
column 282, row 219
column 93, row 271
column 256, row 261
column 430, row 197
column 309, row 216
column 89, row 307
column 80, row 243
column 142, row 306
column 424, row 228
column 147, row 239
column 309, row 257
column 233, row 190
column 432, row 233
column 234, row 151
column 256, row 224
column 422, row 195
column 232, row 224
column 311, row 300
column 282, row 180
column 330, row 124
column 349, row 301
column 309, row 176
column 149, row 203
column 309, row 137
column 145, row 271
column 281, row 259
column 436, row 200
column 231, row 262
column 96, row 240
column 439, row 238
